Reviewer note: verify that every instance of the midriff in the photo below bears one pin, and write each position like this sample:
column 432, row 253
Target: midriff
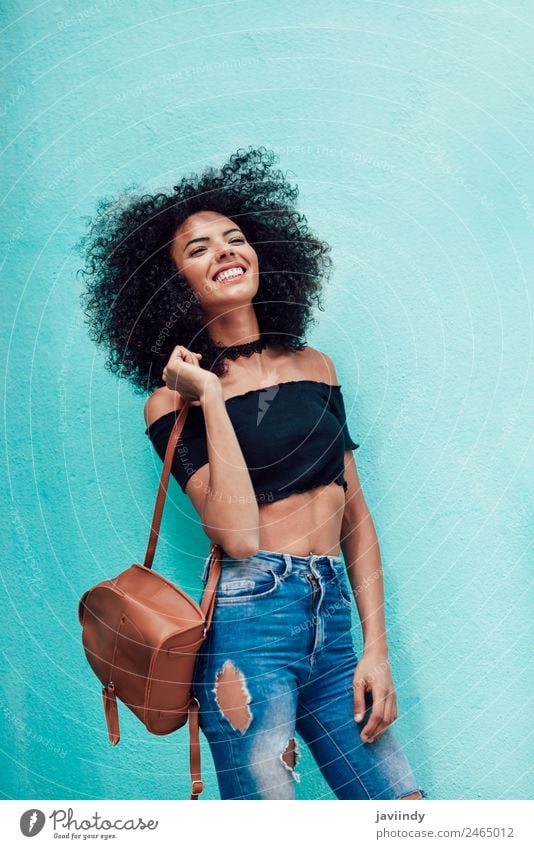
column 304, row 522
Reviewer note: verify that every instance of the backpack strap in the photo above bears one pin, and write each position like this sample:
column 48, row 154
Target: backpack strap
column 163, row 484
column 197, row 785
column 207, row 605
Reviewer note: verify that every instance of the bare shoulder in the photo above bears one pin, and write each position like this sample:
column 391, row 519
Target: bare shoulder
column 318, row 364
column 162, row 401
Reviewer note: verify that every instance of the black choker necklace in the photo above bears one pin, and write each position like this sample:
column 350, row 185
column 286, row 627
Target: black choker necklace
column 245, row 350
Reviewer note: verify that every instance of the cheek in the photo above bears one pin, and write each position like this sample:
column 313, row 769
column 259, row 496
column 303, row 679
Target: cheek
column 253, row 259
column 196, row 274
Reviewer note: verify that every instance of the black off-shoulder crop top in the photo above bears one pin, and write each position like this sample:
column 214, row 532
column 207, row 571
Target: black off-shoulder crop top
column 293, row 436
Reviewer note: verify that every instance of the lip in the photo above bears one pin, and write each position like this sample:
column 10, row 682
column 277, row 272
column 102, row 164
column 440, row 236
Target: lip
column 226, row 267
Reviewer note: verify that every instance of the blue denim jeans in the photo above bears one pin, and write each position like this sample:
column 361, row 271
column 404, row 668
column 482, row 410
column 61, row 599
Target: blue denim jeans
column 279, row 658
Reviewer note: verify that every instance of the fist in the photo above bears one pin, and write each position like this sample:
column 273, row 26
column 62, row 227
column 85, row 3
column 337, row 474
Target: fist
column 183, row 374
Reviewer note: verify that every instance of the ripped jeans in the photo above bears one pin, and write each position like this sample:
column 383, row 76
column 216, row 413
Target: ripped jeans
column 279, row 658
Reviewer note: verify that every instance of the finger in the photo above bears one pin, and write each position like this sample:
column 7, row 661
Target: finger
column 359, row 699
column 368, row 732
column 375, row 720
column 192, row 358
column 183, row 351
column 388, row 710
column 385, row 721
column 179, row 352
column 387, row 717
column 379, row 731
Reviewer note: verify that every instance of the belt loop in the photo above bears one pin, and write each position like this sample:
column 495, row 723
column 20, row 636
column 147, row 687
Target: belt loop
column 289, row 565
column 333, row 565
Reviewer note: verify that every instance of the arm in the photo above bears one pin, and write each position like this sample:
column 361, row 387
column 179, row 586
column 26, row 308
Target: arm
column 359, row 543
column 221, row 489
column 229, row 510
column 361, row 553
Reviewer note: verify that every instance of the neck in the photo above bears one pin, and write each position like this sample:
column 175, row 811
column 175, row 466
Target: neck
column 238, row 327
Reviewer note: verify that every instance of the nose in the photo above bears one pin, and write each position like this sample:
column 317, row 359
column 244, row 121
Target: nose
column 222, row 252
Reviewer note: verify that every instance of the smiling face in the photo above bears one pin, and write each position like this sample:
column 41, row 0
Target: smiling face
column 212, row 253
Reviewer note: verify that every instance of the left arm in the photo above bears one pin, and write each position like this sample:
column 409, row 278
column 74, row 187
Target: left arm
column 361, row 553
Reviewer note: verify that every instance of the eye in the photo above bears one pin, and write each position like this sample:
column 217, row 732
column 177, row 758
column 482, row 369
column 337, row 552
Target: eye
column 239, row 239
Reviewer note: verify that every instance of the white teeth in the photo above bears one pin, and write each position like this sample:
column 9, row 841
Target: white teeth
column 230, row 272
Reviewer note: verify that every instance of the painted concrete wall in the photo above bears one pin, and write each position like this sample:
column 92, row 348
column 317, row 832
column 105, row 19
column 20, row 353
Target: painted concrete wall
column 409, row 132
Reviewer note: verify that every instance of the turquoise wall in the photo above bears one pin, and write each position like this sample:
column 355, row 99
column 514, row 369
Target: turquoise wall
column 409, row 131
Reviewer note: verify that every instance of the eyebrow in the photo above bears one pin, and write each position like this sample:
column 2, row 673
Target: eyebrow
column 207, row 238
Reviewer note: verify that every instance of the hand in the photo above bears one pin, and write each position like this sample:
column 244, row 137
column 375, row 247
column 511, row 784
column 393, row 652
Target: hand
column 373, row 674
column 184, row 375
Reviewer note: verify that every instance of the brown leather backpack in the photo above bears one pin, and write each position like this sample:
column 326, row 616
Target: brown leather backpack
column 141, row 634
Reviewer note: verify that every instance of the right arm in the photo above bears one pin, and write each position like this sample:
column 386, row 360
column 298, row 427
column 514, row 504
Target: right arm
column 221, row 490
column 229, row 509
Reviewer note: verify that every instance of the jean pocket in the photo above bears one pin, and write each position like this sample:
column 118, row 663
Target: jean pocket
column 343, row 585
column 245, row 583
column 345, row 595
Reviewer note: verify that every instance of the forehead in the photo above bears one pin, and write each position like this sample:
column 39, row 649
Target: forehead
column 203, row 224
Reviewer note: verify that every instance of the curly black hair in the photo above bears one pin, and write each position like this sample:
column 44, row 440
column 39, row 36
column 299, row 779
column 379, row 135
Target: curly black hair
column 133, row 301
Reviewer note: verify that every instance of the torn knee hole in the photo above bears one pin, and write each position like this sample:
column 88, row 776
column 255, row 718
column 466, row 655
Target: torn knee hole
column 289, row 757
column 233, row 697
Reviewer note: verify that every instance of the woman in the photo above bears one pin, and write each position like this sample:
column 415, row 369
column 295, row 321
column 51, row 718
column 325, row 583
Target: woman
column 208, row 291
